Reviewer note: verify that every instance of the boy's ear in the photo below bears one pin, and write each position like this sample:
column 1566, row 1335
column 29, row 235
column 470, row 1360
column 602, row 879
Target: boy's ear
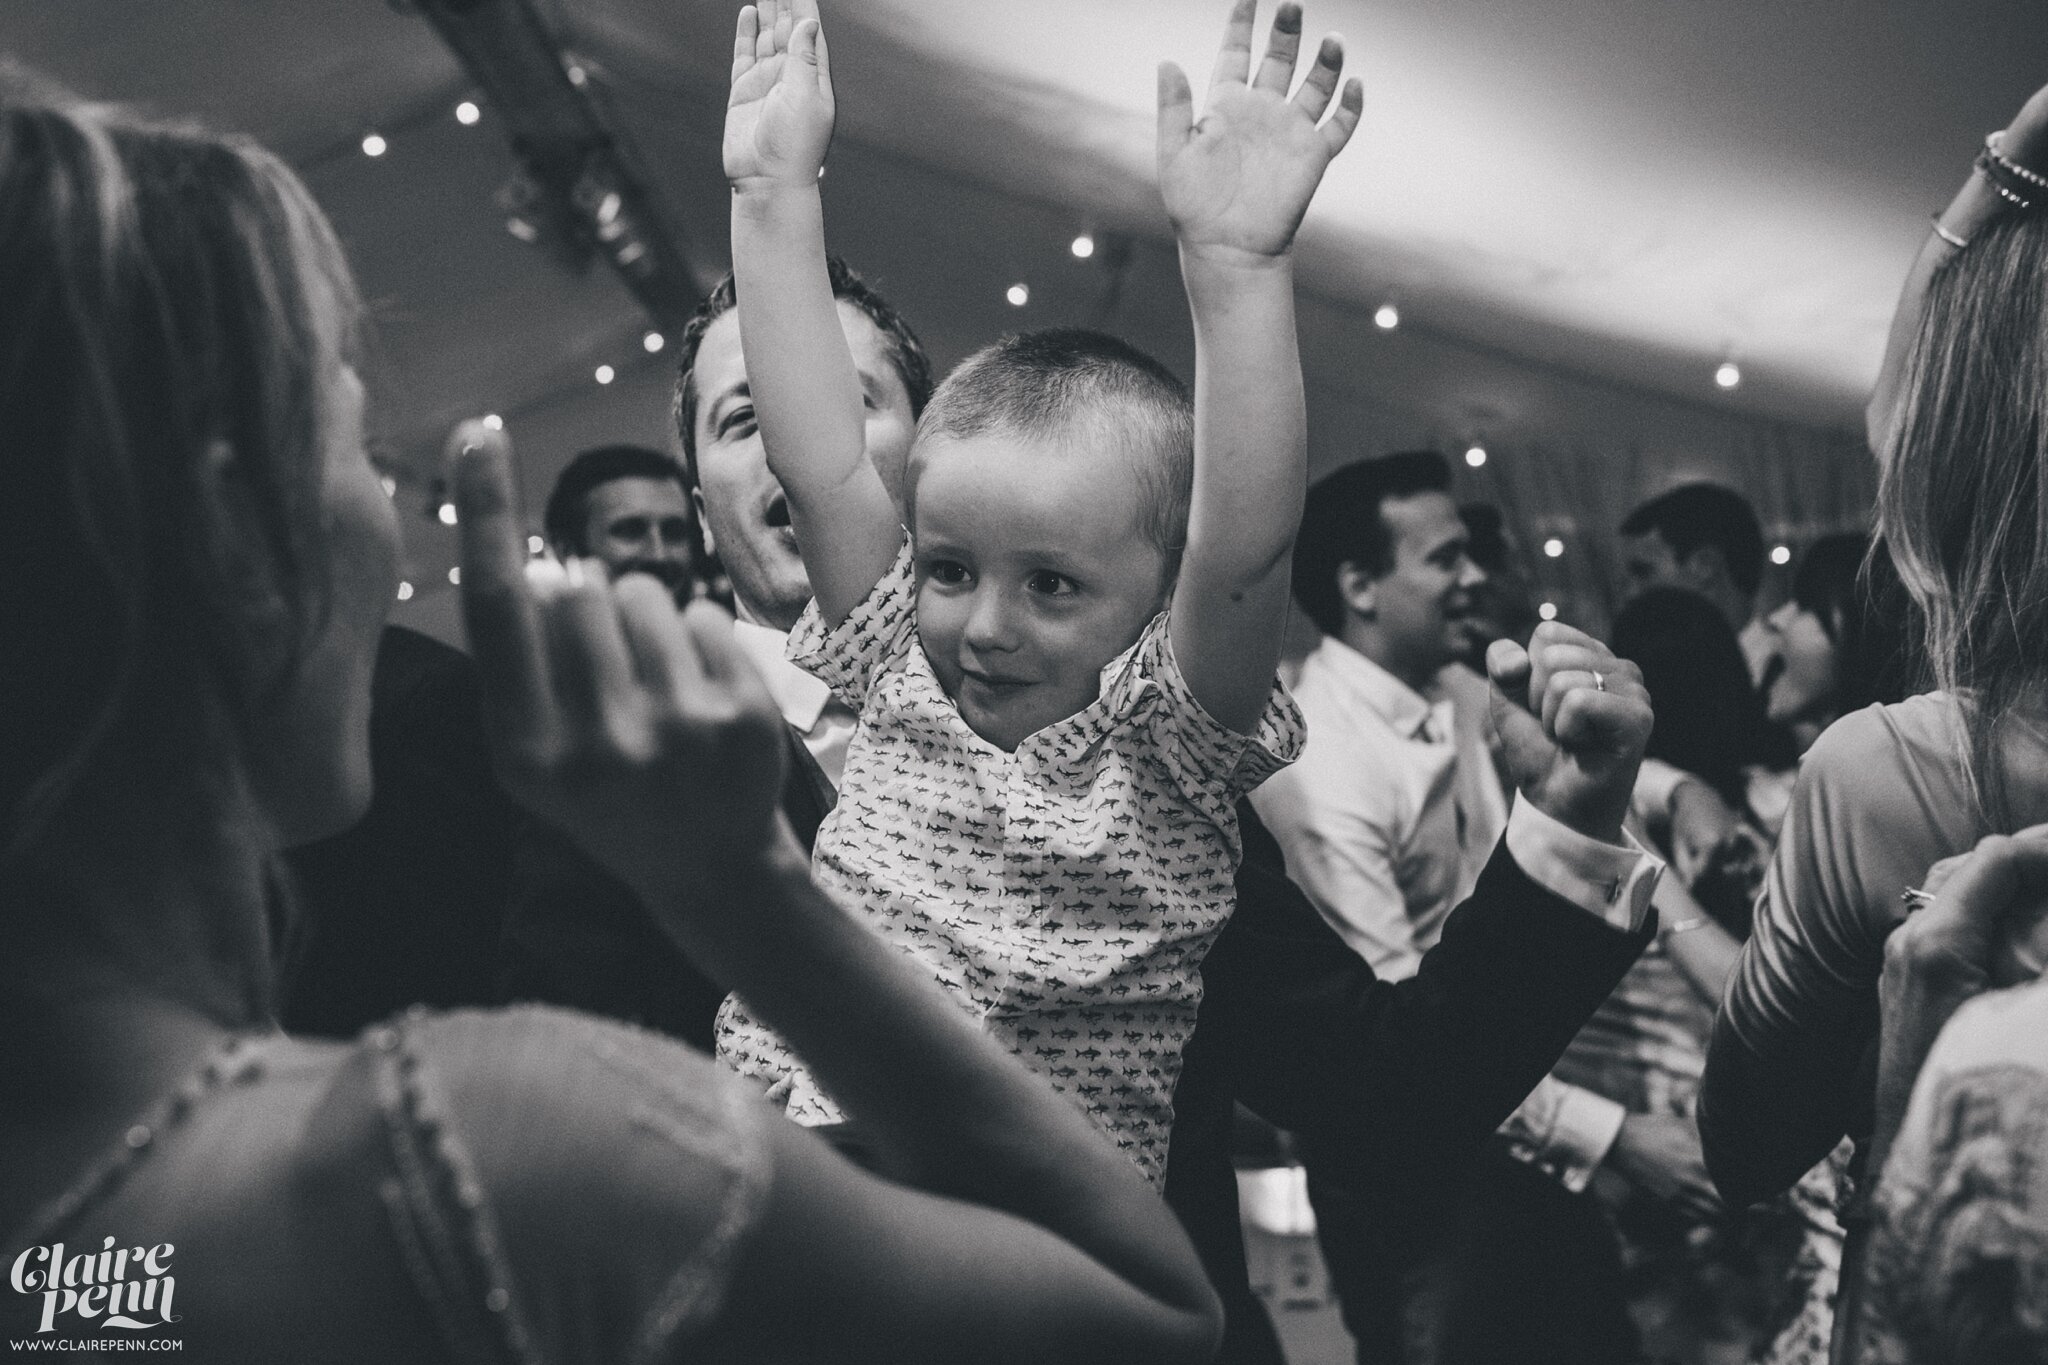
column 1358, row 589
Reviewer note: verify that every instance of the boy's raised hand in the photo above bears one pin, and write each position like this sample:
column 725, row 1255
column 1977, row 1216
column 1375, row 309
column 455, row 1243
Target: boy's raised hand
column 778, row 119
column 1239, row 180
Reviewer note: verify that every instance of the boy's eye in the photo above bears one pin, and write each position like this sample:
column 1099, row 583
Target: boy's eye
column 1049, row 584
column 742, row 416
column 948, row 571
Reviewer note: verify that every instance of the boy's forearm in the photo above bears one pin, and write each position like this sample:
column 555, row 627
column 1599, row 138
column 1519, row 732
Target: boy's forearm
column 1251, row 462
column 806, row 393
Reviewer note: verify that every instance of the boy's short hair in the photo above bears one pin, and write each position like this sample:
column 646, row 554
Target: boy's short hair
column 906, row 352
column 1342, row 525
column 1043, row 383
column 566, row 520
column 1696, row 514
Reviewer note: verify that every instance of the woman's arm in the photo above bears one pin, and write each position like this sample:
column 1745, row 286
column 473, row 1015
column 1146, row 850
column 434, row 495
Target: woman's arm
column 1976, row 206
column 643, row 733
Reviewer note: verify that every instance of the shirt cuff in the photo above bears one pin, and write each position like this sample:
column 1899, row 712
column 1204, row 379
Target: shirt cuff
column 1609, row 880
column 1564, row 1131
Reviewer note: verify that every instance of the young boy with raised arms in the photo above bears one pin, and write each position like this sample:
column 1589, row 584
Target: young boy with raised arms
column 1065, row 670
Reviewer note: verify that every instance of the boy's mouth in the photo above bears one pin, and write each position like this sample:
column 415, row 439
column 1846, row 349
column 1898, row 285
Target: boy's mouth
column 993, row 682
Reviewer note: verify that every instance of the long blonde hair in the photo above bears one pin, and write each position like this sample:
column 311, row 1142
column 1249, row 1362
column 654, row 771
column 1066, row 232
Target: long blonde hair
column 169, row 295
column 1963, row 501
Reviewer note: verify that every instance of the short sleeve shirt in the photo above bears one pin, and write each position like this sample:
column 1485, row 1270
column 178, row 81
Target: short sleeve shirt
column 1065, row 893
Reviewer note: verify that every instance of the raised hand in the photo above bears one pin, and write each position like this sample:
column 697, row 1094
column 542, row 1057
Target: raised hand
column 1239, row 180
column 1572, row 720
column 639, row 731
column 778, row 119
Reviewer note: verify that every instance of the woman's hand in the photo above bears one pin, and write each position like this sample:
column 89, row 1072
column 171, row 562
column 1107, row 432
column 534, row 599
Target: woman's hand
column 1981, row 931
column 638, row 730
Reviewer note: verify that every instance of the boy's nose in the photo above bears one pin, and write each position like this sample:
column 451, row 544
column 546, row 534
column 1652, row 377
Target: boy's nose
column 989, row 624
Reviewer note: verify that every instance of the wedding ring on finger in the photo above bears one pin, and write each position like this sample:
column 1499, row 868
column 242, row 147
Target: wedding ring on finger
column 1599, row 681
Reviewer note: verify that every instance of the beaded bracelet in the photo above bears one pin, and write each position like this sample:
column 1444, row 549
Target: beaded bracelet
column 2013, row 181
column 1993, row 143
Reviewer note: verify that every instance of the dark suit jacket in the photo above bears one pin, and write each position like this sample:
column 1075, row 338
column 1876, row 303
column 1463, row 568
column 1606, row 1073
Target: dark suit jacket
column 577, row 936
column 406, row 907
column 1397, row 1085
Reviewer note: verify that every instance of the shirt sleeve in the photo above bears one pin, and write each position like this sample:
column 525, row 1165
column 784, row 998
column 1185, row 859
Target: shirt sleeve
column 850, row 656
column 1784, row 1079
column 1212, row 764
column 1611, row 881
column 1564, row 1131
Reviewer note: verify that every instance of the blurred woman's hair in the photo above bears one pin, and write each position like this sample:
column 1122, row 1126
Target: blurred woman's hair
column 1710, row 718
column 1964, row 497
column 175, row 307
column 1852, row 585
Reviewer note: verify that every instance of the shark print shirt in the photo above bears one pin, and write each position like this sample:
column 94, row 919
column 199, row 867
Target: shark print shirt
column 1065, row 894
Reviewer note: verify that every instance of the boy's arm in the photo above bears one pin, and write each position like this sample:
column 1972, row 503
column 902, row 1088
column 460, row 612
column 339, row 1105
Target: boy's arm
column 807, row 396
column 1236, row 186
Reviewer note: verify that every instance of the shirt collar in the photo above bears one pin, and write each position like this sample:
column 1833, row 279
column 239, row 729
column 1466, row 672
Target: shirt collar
column 800, row 697
column 1404, row 709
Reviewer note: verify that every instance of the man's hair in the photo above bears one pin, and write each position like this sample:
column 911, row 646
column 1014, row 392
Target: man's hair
column 1854, row 590
column 1342, row 525
column 906, row 352
column 1046, row 384
column 1696, row 514
column 565, row 521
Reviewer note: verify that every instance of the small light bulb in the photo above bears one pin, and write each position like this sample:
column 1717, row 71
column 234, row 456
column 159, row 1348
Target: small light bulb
column 654, row 341
column 404, row 592
column 606, row 374
column 446, row 512
column 1387, row 317
column 1018, row 295
column 577, row 75
column 390, row 486
column 1548, row 611
column 467, row 113
column 374, row 144
column 494, row 422
column 534, row 545
column 1083, row 247
column 1781, row 554
column 455, row 574
column 1476, row 456
column 1553, row 547
column 1728, row 376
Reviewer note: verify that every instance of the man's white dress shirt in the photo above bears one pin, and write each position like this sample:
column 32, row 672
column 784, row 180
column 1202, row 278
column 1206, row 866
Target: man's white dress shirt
column 823, row 721
column 1386, row 820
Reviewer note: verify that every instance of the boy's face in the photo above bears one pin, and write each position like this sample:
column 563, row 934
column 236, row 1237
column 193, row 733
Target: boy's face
column 1032, row 573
